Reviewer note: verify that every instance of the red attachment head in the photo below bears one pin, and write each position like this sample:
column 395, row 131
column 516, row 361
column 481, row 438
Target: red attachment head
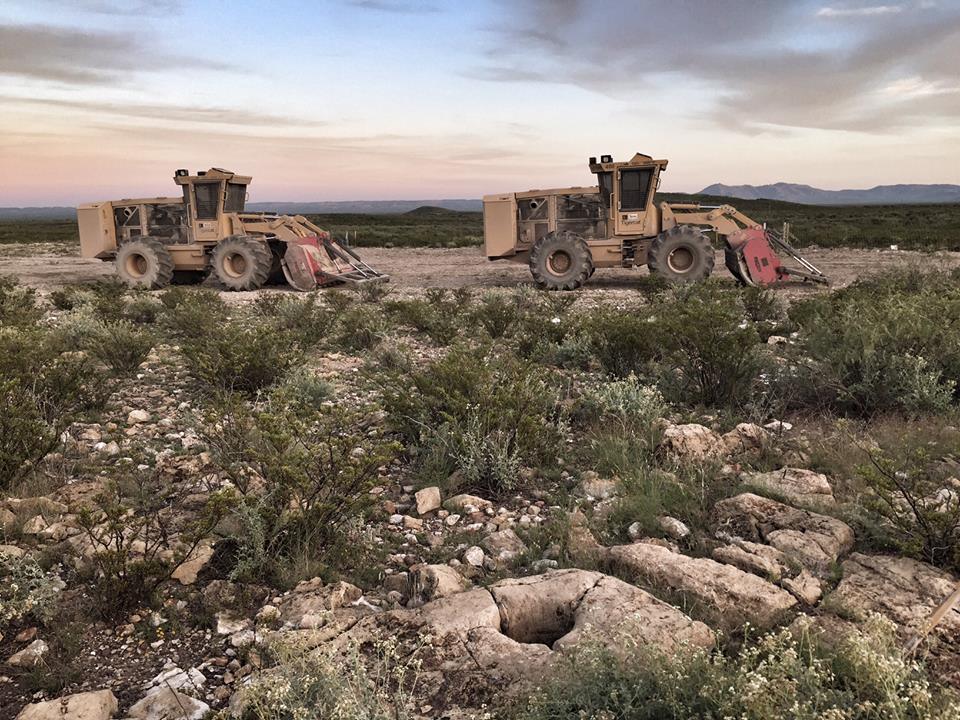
column 757, row 257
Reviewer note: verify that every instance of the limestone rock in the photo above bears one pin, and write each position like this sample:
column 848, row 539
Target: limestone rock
column 167, row 704
column 431, row 582
column 186, row 574
column 138, row 416
column 745, row 438
column 30, row 656
column 805, row 587
column 313, row 599
column 459, row 503
column 459, row 614
column 730, row 596
column 795, row 484
column 503, row 544
column 428, row 500
column 597, row 487
column 96, row 705
column 906, row 591
column 751, row 557
column 691, row 443
column 473, row 556
column 540, row 608
column 8, row 520
column 672, row 527
column 622, row 616
column 815, row 541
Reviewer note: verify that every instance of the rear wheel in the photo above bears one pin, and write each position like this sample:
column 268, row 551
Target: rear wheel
column 681, row 254
column 242, row 263
column 144, row 263
column 560, row 261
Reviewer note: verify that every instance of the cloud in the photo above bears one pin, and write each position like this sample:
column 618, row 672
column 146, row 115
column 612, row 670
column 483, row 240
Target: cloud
column 183, row 113
column 832, row 12
column 123, row 7
column 733, row 63
column 411, row 7
column 66, row 55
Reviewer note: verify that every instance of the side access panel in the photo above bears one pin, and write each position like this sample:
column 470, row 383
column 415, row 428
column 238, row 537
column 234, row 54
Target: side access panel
column 499, row 225
column 98, row 236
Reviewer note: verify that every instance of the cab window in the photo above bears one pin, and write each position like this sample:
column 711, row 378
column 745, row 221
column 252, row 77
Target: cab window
column 634, row 187
column 208, row 197
column 236, row 196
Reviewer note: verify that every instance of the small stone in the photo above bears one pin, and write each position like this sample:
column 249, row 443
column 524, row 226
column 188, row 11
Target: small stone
column 777, row 340
column 805, row 587
column 167, row 704
column 428, row 500
column 473, row 556
column 672, row 527
column 635, row 531
column 229, row 625
column 34, row 526
column 451, row 520
column 412, row 523
column 396, row 519
column 137, row 416
column 28, row 635
column 30, row 656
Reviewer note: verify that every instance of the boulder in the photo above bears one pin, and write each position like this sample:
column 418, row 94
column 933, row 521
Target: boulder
column 763, row 560
column 167, row 704
column 906, row 591
column 186, row 574
column 503, row 544
column 314, row 598
column 804, row 587
column 813, row 540
column 95, row 705
column 459, row 614
column 725, row 594
column 30, row 656
column 431, row 582
column 540, row 608
column 796, row 485
column 428, row 500
column 691, row 443
column 460, row 503
column 745, row 438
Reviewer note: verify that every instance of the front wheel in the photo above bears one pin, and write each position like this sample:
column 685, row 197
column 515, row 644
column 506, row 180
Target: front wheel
column 561, row 261
column 681, row 254
column 242, row 263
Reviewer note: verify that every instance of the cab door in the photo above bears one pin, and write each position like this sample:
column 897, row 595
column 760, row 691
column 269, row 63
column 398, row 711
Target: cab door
column 206, row 199
column 634, row 190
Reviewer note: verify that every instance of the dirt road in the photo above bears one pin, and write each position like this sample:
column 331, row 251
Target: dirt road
column 47, row 267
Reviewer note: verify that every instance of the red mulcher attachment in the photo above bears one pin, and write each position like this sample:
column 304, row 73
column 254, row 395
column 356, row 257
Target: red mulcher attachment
column 751, row 257
column 316, row 261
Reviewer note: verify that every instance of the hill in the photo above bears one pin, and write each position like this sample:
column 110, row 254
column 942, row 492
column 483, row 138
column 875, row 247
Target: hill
column 808, row 195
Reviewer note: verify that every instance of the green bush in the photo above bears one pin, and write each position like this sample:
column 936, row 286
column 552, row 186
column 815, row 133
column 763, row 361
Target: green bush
column 43, row 389
column 120, row 344
column 627, row 402
column 26, row 590
column 303, row 476
column 497, row 313
column 18, row 305
column 192, row 312
column 360, row 327
column 890, row 342
column 142, row 310
column 862, row 677
column 242, row 353
column 479, row 412
column 72, row 297
column 302, row 316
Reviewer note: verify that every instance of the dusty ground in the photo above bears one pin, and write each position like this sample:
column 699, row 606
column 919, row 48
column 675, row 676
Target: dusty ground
column 47, row 267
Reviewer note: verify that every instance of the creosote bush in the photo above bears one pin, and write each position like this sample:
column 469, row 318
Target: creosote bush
column 302, row 476
column 479, row 412
column 18, row 305
column 777, row 677
column 120, row 344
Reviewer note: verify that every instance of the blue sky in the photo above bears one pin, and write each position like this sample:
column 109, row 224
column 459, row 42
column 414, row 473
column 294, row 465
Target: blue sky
column 380, row 99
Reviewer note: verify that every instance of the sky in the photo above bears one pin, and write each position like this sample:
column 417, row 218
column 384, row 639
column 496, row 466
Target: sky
column 410, row 99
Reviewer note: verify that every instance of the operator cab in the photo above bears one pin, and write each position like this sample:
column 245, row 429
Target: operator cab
column 626, row 192
column 208, row 195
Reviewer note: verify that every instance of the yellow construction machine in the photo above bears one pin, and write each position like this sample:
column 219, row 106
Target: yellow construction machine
column 207, row 231
column 565, row 234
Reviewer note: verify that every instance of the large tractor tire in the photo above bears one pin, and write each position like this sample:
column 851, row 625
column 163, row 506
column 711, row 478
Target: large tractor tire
column 242, row 263
column 560, row 261
column 681, row 254
column 144, row 263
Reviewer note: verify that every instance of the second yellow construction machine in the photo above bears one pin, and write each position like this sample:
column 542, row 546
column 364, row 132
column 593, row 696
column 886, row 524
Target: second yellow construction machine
column 207, row 231
column 565, row 234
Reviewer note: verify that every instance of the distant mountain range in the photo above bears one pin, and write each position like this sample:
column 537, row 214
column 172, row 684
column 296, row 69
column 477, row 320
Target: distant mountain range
column 807, row 195
column 364, row 207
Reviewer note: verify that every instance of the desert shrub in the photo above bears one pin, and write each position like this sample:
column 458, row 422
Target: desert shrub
column 43, row 389
column 302, row 387
column 438, row 316
column 140, row 533
column 302, row 475
column 918, row 502
column 72, row 297
column 26, row 590
column 18, row 305
column 862, row 677
column 243, row 354
column 479, row 412
column 624, row 341
column 109, row 298
column 360, row 327
column 378, row 684
column 300, row 315
column 142, row 310
column 120, row 344
column 890, row 342
column 496, row 313
column 628, row 402
column 372, row 292
column 192, row 312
